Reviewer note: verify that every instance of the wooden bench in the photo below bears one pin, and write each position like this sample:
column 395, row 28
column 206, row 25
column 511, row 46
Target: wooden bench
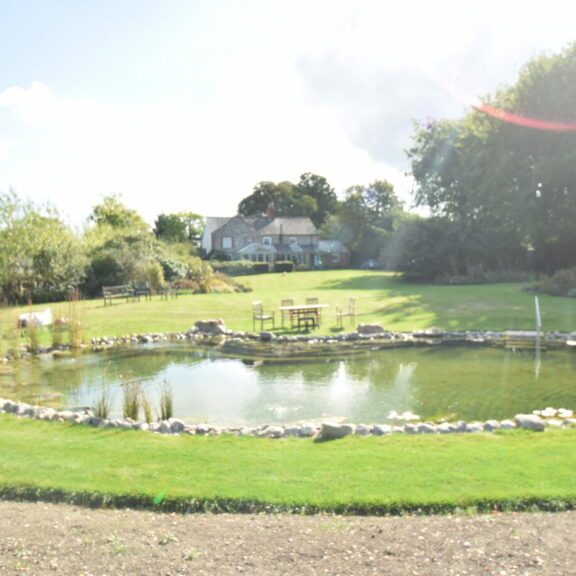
column 121, row 291
column 141, row 289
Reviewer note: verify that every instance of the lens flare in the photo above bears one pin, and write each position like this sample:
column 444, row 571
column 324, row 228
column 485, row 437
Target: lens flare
column 525, row 121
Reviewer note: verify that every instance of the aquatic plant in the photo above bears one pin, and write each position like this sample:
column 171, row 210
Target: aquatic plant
column 166, row 401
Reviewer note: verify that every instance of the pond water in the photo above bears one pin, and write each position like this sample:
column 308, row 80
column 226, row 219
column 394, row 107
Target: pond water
column 434, row 382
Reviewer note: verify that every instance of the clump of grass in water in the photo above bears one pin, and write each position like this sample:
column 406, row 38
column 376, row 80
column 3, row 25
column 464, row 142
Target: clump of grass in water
column 146, row 408
column 14, row 336
column 131, row 401
column 74, row 327
column 57, row 332
column 103, row 404
column 166, row 401
column 32, row 333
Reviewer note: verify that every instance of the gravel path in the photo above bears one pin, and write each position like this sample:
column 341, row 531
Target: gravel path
column 53, row 539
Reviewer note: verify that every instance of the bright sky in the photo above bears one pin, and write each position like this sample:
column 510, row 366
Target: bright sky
column 185, row 105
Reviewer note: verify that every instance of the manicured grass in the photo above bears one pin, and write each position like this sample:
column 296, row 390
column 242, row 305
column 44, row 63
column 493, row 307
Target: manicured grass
column 380, row 297
column 384, row 474
column 378, row 475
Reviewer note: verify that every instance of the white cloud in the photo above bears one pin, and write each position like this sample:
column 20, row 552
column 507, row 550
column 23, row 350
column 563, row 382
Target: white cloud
column 36, row 106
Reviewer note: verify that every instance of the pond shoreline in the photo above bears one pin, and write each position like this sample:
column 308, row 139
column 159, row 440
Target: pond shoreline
column 213, row 333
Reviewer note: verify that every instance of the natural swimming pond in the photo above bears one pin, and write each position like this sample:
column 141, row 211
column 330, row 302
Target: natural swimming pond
column 456, row 382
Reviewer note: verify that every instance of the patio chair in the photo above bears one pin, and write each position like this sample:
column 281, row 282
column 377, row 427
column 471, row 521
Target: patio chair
column 346, row 311
column 258, row 315
column 287, row 314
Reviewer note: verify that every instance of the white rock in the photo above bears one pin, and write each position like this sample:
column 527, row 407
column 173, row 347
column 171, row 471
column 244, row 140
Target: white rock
column 474, row 427
column 381, row 429
column 426, row 428
column 176, row 426
column 334, row 431
column 530, row 422
column 309, row 429
column 507, row 424
column 446, row 428
column 363, row 430
column 491, row 425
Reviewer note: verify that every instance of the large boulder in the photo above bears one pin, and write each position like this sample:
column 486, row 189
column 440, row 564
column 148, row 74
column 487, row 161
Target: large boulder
column 530, row 422
column 370, row 329
column 335, row 431
column 211, row 327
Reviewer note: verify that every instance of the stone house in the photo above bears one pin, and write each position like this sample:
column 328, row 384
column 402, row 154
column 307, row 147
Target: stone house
column 268, row 239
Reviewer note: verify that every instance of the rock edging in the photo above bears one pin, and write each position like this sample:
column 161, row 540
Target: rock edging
column 539, row 421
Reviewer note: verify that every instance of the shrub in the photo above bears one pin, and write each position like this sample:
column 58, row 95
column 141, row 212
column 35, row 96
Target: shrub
column 477, row 275
column 154, row 275
column 186, row 284
column 261, row 267
column 234, row 267
column 562, row 283
column 283, row 266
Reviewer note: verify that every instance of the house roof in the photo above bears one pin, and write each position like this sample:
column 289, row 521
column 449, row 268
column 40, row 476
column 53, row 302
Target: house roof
column 293, row 226
column 257, row 248
column 289, row 226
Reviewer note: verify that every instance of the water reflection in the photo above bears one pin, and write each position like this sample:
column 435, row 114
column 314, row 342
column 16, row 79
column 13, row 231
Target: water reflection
column 434, row 382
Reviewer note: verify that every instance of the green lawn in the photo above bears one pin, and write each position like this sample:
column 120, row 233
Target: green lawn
column 355, row 474
column 381, row 298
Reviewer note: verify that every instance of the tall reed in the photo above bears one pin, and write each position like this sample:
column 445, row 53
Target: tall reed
column 74, row 326
column 166, row 401
column 147, row 408
column 131, row 400
column 103, row 405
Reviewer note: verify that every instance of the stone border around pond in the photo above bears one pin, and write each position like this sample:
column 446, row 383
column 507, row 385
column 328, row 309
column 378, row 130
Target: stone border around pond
column 214, row 332
column 538, row 421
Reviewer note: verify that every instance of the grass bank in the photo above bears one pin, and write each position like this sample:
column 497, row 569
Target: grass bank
column 396, row 474
column 380, row 296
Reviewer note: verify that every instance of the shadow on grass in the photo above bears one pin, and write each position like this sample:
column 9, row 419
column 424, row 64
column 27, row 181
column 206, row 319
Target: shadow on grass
column 368, row 282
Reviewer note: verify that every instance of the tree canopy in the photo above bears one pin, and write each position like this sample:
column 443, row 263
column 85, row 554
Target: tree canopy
column 312, row 196
column 504, row 175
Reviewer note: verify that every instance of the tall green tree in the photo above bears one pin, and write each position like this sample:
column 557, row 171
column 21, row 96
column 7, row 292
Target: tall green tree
column 284, row 197
column 40, row 257
column 179, row 227
column 317, row 188
column 366, row 219
column 312, row 196
column 505, row 173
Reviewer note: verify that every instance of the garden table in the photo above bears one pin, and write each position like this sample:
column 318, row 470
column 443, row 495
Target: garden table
column 306, row 315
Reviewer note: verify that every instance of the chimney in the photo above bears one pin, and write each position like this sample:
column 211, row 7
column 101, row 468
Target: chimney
column 271, row 211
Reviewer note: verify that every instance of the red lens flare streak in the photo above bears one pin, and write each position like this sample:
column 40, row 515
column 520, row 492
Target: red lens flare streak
column 524, row 120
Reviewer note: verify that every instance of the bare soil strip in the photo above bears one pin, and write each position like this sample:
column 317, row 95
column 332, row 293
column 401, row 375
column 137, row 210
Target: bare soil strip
column 38, row 539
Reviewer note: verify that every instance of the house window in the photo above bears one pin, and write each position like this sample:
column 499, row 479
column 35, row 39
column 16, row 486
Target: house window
column 293, row 240
column 249, row 240
column 267, row 240
column 226, row 242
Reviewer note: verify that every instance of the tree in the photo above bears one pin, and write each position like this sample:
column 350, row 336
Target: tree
column 312, row 197
column 505, row 173
column 112, row 212
column 179, row 227
column 317, row 187
column 284, row 197
column 365, row 220
column 120, row 246
column 40, row 258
